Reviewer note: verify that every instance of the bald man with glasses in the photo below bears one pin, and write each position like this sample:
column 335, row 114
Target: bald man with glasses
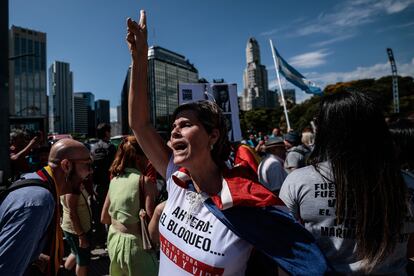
column 30, row 235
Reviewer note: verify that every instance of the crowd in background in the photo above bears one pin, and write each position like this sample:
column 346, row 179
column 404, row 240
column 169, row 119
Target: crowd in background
column 269, row 157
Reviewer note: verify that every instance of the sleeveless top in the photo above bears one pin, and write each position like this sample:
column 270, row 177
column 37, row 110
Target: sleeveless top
column 124, row 196
column 84, row 213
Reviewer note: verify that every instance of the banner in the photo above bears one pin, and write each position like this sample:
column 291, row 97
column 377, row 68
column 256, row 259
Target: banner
column 223, row 94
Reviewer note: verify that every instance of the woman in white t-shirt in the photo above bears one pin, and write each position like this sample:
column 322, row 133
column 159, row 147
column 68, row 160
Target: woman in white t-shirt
column 353, row 198
column 193, row 239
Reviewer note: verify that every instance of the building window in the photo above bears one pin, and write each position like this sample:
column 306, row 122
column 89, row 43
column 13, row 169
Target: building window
column 43, row 55
column 16, row 46
column 23, row 46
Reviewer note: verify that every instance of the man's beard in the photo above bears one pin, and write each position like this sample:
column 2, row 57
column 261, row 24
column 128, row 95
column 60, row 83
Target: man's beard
column 75, row 180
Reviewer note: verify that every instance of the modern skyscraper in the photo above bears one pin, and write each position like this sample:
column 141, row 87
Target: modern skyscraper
column 60, row 98
column 255, row 92
column 102, row 112
column 289, row 94
column 80, row 124
column 123, row 117
column 272, row 99
column 166, row 69
column 89, row 98
column 118, row 113
column 116, row 127
column 27, row 82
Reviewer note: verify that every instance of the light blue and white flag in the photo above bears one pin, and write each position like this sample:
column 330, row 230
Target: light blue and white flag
column 296, row 78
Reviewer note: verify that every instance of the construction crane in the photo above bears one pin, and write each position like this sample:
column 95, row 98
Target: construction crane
column 394, row 81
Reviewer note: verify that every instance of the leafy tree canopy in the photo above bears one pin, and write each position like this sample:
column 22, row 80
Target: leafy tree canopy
column 300, row 115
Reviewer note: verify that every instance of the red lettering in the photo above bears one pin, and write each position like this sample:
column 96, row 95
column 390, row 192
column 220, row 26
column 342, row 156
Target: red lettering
column 197, row 267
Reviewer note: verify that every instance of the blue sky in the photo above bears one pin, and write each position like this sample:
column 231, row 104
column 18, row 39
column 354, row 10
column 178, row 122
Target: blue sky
column 327, row 41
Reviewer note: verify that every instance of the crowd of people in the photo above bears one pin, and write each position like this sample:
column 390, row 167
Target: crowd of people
column 336, row 198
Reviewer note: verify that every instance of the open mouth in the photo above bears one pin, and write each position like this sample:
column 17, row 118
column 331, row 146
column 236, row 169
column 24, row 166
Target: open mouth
column 179, row 146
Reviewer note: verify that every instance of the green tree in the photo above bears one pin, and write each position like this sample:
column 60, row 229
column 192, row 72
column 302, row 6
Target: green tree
column 301, row 114
column 259, row 119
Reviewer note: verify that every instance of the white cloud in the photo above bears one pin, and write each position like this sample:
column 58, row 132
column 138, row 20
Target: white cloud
column 353, row 13
column 400, row 26
column 302, row 96
column 394, row 6
column 279, row 29
column 375, row 71
column 273, row 31
column 113, row 114
column 333, row 40
column 343, row 18
column 309, row 60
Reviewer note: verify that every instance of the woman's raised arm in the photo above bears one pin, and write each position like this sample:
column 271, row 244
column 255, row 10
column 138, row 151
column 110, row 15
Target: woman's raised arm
column 138, row 105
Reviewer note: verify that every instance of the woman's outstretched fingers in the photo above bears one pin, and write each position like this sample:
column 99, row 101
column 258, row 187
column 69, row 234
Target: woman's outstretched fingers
column 132, row 26
column 142, row 20
column 137, row 36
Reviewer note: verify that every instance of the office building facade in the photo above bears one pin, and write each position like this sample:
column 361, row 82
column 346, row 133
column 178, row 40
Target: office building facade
column 123, row 112
column 102, row 112
column 289, row 94
column 89, row 98
column 60, row 98
column 166, row 69
column 118, row 114
column 80, row 123
column 27, row 78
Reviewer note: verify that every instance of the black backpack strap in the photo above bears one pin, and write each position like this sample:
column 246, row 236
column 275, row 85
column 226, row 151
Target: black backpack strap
column 28, row 182
column 21, row 183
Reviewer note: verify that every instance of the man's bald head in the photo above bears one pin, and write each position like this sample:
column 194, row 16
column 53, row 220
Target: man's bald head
column 67, row 149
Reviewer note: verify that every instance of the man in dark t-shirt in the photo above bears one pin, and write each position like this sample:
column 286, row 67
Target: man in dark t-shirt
column 103, row 154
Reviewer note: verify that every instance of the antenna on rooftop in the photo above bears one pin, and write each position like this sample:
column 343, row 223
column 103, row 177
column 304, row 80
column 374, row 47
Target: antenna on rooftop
column 394, row 81
column 154, row 37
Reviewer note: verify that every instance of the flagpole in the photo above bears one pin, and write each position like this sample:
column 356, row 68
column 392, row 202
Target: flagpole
column 280, row 85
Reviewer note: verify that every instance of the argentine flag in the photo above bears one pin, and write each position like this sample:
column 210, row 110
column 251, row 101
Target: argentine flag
column 295, row 77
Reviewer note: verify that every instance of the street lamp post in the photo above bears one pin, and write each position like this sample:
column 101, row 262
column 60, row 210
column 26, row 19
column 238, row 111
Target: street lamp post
column 4, row 92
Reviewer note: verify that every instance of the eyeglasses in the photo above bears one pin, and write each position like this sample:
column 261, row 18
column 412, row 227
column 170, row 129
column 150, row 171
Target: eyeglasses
column 88, row 162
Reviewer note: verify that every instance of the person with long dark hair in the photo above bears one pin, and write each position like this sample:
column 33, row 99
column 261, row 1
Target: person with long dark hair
column 352, row 197
column 214, row 216
column 402, row 132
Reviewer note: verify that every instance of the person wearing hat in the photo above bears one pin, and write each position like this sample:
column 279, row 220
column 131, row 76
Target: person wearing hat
column 297, row 153
column 271, row 172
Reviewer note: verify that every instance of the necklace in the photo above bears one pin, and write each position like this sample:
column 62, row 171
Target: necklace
column 195, row 201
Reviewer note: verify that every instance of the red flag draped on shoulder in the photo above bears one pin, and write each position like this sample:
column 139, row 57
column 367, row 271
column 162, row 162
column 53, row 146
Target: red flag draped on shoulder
column 238, row 189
